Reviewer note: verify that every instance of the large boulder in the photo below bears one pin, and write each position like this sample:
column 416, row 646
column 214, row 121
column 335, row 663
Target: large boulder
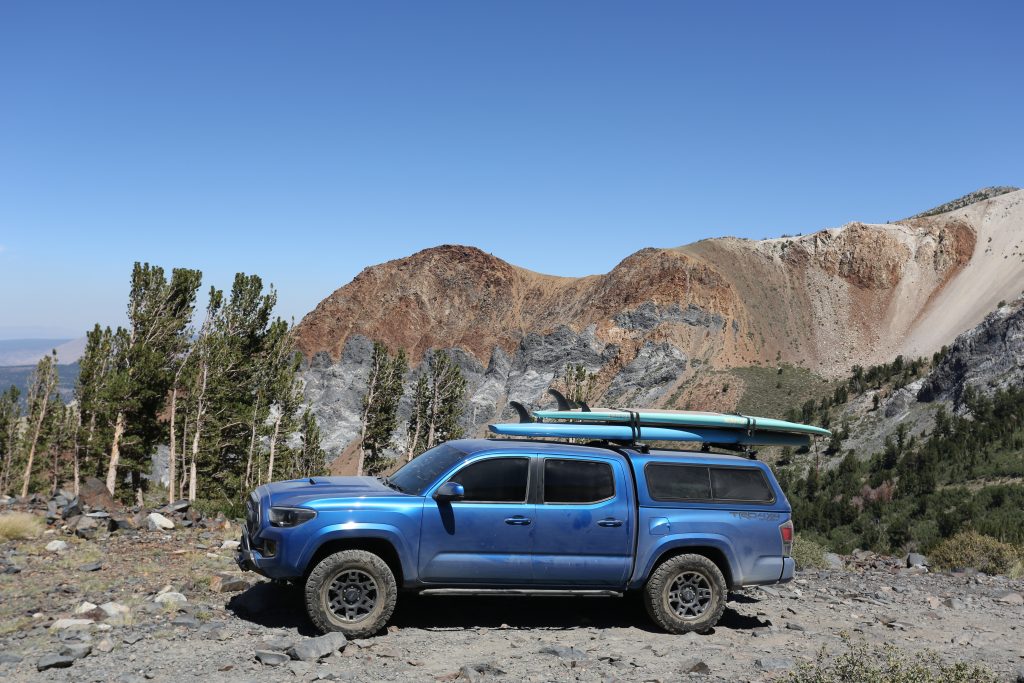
column 313, row 649
column 157, row 522
column 94, row 493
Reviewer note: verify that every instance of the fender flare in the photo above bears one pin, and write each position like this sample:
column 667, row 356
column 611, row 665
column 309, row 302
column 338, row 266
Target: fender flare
column 694, row 540
column 354, row 531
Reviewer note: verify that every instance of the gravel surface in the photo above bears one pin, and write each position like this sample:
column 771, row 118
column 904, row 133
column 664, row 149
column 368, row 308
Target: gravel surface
column 155, row 610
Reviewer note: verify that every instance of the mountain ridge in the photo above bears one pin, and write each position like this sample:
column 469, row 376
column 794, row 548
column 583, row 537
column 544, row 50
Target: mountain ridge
column 651, row 327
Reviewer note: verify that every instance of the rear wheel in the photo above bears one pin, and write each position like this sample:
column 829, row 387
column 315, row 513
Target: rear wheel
column 352, row 591
column 685, row 593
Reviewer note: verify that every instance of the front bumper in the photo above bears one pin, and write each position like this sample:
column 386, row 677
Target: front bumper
column 247, row 558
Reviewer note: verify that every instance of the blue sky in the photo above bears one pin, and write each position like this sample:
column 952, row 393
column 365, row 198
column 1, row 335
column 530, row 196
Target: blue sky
column 305, row 141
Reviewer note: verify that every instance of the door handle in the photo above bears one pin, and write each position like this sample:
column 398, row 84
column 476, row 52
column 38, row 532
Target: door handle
column 518, row 521
column 610, row 522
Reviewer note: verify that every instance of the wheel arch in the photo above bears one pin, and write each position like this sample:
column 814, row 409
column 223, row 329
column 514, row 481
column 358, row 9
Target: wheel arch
column 381, row 547
column 713, row 553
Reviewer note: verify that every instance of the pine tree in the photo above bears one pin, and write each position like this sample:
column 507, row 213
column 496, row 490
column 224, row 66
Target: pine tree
column 10, row 432
column 580, row 383
column 418, row 419
column 279, row 391
column 159, row 311
column 40, row 395
column 309, row 459
column 380, row 408
column 438, row 404
column 93, row 393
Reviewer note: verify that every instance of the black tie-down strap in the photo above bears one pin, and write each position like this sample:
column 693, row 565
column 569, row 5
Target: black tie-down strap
column 634, row 425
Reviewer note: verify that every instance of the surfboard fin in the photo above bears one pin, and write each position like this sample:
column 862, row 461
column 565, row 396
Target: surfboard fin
column 522, row 412
column 584, row 407
column 563, row 402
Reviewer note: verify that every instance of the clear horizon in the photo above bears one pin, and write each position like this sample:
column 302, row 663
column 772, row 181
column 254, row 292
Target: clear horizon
column 304, row 143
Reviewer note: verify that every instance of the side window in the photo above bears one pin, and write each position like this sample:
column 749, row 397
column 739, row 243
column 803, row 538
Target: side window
column 498, row 480
column 740, row 484
column 678, row 482
column 577, row 481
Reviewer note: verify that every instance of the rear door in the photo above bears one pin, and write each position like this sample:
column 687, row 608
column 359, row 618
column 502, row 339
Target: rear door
column 486, row 538
column 584, row 522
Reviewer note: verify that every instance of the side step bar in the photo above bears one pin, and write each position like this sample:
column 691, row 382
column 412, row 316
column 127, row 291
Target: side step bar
column 522, row 592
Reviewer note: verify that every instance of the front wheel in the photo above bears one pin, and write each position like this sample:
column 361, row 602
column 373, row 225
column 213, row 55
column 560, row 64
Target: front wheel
column 352, row 591
column 685, row 593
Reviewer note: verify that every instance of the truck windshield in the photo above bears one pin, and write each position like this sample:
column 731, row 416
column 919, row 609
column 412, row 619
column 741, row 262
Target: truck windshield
column 415, row 476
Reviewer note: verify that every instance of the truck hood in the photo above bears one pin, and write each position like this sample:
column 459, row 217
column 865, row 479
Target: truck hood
column 301, row 491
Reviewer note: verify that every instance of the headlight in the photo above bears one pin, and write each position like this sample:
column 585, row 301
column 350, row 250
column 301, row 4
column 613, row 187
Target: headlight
column 285, row 517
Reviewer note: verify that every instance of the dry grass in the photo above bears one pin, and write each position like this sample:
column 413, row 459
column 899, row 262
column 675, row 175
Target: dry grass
column 15, row 526
column 969, row 549
column 863, row 663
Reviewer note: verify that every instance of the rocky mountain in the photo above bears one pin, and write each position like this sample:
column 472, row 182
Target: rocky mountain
column 664, row 324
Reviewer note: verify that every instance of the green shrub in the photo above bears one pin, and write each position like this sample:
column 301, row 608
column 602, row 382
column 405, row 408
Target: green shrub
column 808, row 554
column 887, row 664
column 969, row 549
column 20, row 526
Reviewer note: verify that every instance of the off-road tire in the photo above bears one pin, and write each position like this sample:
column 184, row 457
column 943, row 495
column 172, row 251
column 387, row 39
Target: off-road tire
column 656, row 594
column 318, row 586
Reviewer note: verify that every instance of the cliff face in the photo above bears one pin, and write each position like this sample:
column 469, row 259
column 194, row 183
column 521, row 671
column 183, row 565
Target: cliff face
column 858, row 294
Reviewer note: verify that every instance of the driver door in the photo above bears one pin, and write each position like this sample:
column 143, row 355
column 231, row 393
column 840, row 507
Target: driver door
column 487, row 537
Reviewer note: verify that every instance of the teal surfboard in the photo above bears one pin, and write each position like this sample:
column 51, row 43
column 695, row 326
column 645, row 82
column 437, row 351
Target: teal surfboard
column 684, row 419
column 611, row 432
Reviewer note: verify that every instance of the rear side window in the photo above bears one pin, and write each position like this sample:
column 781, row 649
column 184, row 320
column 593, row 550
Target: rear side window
column 678, row 482
column 740, row 484
column 577, row 481
column 498, row 480
column 700, row 483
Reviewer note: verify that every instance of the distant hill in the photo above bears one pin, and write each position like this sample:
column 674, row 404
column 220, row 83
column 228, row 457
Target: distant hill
column 15, row 352
column 18, row 375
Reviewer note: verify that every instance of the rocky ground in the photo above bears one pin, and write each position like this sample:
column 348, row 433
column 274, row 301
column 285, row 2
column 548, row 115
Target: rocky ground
column 159, row 604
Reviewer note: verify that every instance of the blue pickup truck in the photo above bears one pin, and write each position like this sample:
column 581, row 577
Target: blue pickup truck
column 478, row 516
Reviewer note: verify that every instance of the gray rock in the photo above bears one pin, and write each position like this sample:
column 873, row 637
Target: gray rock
column 71, row 508
column 834, row 561
column 313, row 649
column 56, row 546
column 773, row 663
column 986, row 358
column 185, row 620
column 9, row 658
column 563, row 652
column 917, row 560
column 157, row 522
column 694, row 665
column 91, row 567
column 1011, row 598
column 953, row 603
column 280, row 643
column 271, row 658
column 54, row 661
column 86, row 527
column 170, row 598
column 73, row 624
column 76, row 650
column 105, row 645
column 114, row 609
column 793, row 626
column 132, row 638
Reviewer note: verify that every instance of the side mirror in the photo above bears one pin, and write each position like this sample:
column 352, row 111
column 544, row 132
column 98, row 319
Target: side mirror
column 450, row 490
